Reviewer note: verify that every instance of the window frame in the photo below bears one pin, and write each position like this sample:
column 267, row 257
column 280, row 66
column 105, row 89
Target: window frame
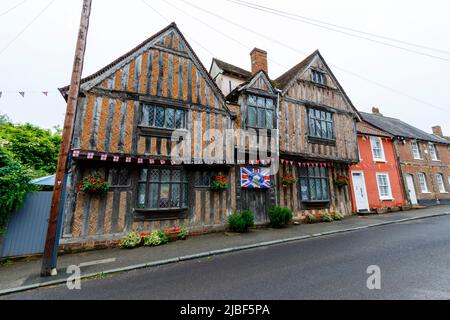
column 312, row 117
column 383, row 156
column 441, row 178
column 419, row 157
column 183, row 193
column 323, row 178
column 425, row 183
column 322, row 78
column 433, row 151
column 258, row 108
column 166, row 108
column 384, row 197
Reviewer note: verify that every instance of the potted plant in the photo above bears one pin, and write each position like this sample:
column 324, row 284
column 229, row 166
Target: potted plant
column 219, row 183
column 288, row 180
column 341, row 181
column 93, row 185
column 172, row 234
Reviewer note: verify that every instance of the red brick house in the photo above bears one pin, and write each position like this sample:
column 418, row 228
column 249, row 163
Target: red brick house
column 424, row 159
column 376, row 182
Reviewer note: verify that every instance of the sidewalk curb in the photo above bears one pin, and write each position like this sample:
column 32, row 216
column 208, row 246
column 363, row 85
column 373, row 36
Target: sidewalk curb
column 214, row 253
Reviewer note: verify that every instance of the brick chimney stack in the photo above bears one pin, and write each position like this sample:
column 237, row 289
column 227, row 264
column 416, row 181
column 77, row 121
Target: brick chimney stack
column 376, row 110
column 259, row 60
column 437, row 130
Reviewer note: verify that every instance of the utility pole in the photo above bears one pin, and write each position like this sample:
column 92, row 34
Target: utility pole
column 52, row 240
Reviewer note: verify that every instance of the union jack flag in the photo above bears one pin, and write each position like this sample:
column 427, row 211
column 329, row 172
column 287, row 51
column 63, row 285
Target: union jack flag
column 255, row 178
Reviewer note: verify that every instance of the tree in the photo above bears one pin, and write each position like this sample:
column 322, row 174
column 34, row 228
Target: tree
column 14, row 184
column 32, row 146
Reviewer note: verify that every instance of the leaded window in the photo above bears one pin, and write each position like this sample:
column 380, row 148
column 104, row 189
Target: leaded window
column 260, row 112
column 162, row 117
column 318, row 77
column 118, row 177
column 162, row 188
column 314, row 184
column 321, row 124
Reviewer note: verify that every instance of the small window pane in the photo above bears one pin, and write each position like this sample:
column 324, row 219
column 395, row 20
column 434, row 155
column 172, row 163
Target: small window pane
column 143, row 175
column 164, row 201
column 170, row 118
column 165, row 175
column 312, row 189
column 269, row 119
column 153, row 196
column 145, row 116
column 175, row 196
column 304, row 189
column 252, row 116
column 159, row 118
column 154, row 175
column 261, row 102
column 261, row 118
column 179, row 119
column 269, row 103
column 141, row 195
column 252, row 100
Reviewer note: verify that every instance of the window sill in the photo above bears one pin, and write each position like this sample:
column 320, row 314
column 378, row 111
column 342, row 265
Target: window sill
column 158, row 132
column 322, row 140
column 387, row 199
column 315, row 204
column 379, row 161
column 427, row 192
column 160, row 214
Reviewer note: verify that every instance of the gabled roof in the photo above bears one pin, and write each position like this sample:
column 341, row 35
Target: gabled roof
column 232, row 69
column 234, row 94
column 283, row 81
column 364, row 127
column 399, row 128
column 85, row 81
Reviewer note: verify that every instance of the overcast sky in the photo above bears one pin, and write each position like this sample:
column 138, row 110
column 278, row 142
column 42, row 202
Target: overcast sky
column 40, row 59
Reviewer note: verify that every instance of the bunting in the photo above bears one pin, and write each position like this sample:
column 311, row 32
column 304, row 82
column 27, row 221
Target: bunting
column 24, row 93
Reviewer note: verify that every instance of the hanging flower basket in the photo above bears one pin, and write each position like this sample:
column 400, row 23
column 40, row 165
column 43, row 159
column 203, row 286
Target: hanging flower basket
column 288, row 180
column 219, row 183
column 93, row 185
column 341, row 181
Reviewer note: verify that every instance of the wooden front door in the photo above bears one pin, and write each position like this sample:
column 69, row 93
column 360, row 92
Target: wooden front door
column 257, row 201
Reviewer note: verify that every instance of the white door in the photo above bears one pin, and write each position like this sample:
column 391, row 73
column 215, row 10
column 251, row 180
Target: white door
column 359, row 190
column 411, row 189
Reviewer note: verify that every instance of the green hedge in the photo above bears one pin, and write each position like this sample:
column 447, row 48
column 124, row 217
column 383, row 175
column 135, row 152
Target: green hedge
column 241, row 221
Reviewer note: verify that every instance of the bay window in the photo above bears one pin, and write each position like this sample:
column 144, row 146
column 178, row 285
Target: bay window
column 156, row 116
column 260, row 112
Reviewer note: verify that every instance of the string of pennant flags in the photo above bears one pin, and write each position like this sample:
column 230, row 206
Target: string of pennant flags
column 24, row 93
column 144, row 160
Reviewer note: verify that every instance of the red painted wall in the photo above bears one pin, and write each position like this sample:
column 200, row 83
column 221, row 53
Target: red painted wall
column 370, row 168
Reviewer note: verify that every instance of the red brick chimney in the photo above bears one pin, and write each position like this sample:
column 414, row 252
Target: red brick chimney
column 259, row 60
column 437, row 130
column 376, row 110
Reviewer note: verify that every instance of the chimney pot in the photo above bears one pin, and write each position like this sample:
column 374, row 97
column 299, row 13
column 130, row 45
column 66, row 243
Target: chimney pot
column 258, row 60
column 437, row 130
column 376, row 110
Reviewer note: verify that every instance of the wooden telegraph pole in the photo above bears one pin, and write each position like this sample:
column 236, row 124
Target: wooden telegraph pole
column 52, row 240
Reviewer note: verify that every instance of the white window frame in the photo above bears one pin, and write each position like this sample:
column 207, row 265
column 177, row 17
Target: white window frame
column 433, row 152
column 372, row 144
column 384, row 197
column 425, row 184
column 440, row 182
column 417, row 155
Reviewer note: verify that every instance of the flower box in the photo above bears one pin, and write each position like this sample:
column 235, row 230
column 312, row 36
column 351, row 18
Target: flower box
column 93, row 185
column 219, row 183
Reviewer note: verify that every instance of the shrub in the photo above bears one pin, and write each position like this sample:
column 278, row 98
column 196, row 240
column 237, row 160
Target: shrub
column 162, row 235
column 338, row 216
column 326, row 217
column 280, row 216
column 152, row 240
column 248, row 217
column 241, row 221
column 184, row 232
column 131, row 240
column 311, row 218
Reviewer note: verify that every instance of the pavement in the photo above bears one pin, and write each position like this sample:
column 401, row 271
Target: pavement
column 24, row 275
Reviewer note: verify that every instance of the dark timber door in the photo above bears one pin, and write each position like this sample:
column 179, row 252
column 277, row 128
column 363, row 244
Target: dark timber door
column 257, row 201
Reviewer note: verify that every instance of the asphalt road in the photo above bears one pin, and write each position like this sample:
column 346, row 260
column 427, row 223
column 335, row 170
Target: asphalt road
column 414, row 259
